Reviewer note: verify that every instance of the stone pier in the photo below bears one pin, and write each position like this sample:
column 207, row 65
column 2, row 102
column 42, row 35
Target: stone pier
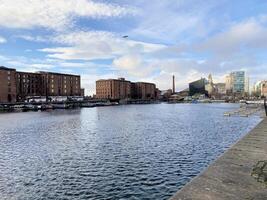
column 239, row 174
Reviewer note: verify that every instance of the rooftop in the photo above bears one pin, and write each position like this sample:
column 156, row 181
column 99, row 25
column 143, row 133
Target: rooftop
column 5, row 68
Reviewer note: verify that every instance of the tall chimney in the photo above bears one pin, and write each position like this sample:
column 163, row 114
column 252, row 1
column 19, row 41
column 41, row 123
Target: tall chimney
column 173, row 84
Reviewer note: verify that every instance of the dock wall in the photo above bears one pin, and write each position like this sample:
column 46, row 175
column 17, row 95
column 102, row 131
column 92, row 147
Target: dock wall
column 229, row 177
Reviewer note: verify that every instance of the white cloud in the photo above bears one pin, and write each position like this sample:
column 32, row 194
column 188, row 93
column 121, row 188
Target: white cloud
column 96, row 45
column 2, row 40
column 34, row 38
column 134, row 65
column 174, row 21
column 246, row 35
column 54, row 14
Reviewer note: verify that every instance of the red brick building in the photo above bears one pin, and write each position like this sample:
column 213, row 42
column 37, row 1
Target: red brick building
column 7, row 85
column 56, row 84
column 145, row 91
column 116, row 89
column 29, row 84
column 17, row 86
column 113, row 89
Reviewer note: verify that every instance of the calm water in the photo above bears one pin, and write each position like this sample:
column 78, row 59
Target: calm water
column 123, row 152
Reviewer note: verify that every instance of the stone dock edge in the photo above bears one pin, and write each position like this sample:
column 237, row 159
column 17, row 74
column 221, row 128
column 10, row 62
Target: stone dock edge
column 229, row 177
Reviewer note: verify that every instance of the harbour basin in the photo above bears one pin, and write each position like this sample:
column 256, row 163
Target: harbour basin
column 120, row 152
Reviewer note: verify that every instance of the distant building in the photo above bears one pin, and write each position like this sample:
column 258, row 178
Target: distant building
column 82, row 92
column 157, row 93
column 184, row 93
column 144, row 90
column 19, row 86
column 247, row 90
column 165, row 94
column 220, row 88
column 7, row 85
column 237, row 83
column 229, row 84
column 260, row 89
column 29, row 84
column 118, row 89
column 198, row 87
column 209, row 87
column 57, row 84
column 264, row 89
column 114, row 89
column 257, row 88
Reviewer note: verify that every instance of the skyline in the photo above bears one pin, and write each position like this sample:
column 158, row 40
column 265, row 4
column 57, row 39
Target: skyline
column 188, row 39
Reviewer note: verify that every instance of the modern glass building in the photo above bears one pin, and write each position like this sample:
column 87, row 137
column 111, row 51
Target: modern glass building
column 239, row 81
column 198, row 87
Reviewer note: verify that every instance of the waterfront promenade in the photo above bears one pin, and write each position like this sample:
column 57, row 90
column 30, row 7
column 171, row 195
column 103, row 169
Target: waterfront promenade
column 229, row 177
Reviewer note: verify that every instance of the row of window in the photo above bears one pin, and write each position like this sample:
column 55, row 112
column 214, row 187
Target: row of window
column 65, row 91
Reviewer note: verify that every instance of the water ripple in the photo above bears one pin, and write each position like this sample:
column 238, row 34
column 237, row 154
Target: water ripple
column 125, row 152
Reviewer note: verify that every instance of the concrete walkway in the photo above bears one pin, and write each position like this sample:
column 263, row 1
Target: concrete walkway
column 229, row 177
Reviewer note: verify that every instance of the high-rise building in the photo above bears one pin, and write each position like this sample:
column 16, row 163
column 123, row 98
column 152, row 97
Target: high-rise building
column 239, row 82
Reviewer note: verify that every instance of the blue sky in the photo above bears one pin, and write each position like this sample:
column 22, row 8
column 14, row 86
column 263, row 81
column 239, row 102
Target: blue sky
column 188, row 38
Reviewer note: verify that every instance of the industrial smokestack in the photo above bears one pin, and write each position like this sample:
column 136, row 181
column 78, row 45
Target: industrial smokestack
column 173, row 84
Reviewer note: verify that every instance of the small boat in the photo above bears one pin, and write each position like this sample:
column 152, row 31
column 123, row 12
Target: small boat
column 194, row 101
column 60, row 106
column 46, row 107
column 88, row 105
column 5, row 108
column 29, row 107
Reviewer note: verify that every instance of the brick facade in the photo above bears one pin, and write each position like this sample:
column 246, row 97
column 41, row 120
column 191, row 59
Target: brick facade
column 113, row 89
column 116, row 89
column 7, row 85
column 17, row 86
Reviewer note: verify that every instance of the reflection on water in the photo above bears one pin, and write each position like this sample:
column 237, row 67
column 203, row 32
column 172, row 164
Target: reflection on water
column 123, row 152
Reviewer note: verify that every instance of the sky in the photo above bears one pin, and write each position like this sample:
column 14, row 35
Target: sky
column 186, row 38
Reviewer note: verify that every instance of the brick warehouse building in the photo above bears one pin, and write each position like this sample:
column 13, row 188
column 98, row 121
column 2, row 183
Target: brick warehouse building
column 116, row 89
column 142, row 90
column 113, row 89
column 8, row 88
column 17, row 86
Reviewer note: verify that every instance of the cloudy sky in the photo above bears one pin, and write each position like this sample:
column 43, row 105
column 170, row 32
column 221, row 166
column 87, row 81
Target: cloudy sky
column 188, row 38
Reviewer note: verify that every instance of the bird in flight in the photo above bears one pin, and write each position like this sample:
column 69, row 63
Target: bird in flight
column 125, row 36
